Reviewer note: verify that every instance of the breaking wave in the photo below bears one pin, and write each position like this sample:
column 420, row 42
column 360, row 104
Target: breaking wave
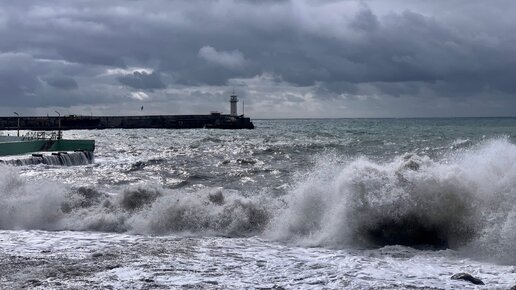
column 465, row 201
column 146, row 209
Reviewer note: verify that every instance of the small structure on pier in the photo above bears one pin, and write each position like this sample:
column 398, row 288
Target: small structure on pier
column 233, row 105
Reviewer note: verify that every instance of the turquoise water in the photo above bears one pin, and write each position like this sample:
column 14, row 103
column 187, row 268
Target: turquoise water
column 385, row 138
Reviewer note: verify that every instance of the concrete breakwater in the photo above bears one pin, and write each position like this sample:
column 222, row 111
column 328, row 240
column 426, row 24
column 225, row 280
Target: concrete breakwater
column 55, row 159
column 75, row 122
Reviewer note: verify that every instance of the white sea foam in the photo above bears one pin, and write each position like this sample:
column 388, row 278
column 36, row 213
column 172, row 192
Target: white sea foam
column 28, row 205
column 143, row 209
column 465, row 201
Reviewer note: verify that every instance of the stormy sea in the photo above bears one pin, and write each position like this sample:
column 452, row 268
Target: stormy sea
column 292, row 204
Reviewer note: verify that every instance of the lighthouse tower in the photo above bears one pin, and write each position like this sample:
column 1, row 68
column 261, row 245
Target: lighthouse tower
column 233, row 105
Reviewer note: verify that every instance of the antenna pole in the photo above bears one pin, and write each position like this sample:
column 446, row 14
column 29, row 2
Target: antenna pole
column 59, row 134
column 18, row 123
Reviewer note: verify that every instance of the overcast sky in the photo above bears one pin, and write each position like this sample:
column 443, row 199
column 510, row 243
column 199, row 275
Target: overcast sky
column 284, row 58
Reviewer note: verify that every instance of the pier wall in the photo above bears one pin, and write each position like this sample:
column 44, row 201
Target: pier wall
column 74, row 122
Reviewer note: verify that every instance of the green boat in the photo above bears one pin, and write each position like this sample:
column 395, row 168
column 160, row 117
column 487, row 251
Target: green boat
column 42, row 142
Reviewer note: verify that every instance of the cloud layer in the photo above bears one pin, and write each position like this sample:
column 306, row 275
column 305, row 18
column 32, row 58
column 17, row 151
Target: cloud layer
column 286, row 58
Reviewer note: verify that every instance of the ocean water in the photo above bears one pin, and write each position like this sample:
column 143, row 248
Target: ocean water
column 294, row 204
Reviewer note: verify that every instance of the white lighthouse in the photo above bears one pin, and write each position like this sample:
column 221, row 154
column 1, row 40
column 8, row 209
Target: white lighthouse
column 233, row 105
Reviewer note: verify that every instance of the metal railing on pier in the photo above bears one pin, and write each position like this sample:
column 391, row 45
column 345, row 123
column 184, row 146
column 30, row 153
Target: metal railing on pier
column 43, row 135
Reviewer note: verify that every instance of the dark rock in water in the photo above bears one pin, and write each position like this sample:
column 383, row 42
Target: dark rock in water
column 467, row 277
column 412, row 165
column 513, row 287
column 217, row 198
column 113, row 266
column 137, row 166
column 34, row 282
column 246, row 161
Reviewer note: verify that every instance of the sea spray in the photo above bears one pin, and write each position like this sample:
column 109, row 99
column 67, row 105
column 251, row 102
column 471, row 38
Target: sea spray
column 209, row 212
column 57, row 159
column 147, row 209
column 464, row 201
column 29, row 205
column 202, row 216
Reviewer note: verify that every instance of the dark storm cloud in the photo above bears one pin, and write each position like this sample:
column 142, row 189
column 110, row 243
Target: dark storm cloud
column 18, row 79
column 142, row 80
column 365, row 20
column 61, row 82
column 331, row 50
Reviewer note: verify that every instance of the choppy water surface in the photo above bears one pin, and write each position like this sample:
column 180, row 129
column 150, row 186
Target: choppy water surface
column 294, row 204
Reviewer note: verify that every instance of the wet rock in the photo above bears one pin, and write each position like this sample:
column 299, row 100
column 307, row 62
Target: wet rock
column 412, row 165
column 137, row 166
column 246, row 161
column 467, row 277
column 34, row 282
column 217, row 198
column 513, row 287
column 111, row 267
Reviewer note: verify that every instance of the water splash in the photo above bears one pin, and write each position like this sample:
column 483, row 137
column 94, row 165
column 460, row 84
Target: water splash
column 55, row 159
column 147, row 208
column 466, row 201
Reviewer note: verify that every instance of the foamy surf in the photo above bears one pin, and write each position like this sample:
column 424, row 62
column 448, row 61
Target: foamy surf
column 293, row 204
column 64, row 260
column 466, row 202
column 146, row 209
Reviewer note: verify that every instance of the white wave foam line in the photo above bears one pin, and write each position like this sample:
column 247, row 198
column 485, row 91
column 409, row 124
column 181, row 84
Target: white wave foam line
column 145, row 209
column 28, row 205
column 467, row 202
